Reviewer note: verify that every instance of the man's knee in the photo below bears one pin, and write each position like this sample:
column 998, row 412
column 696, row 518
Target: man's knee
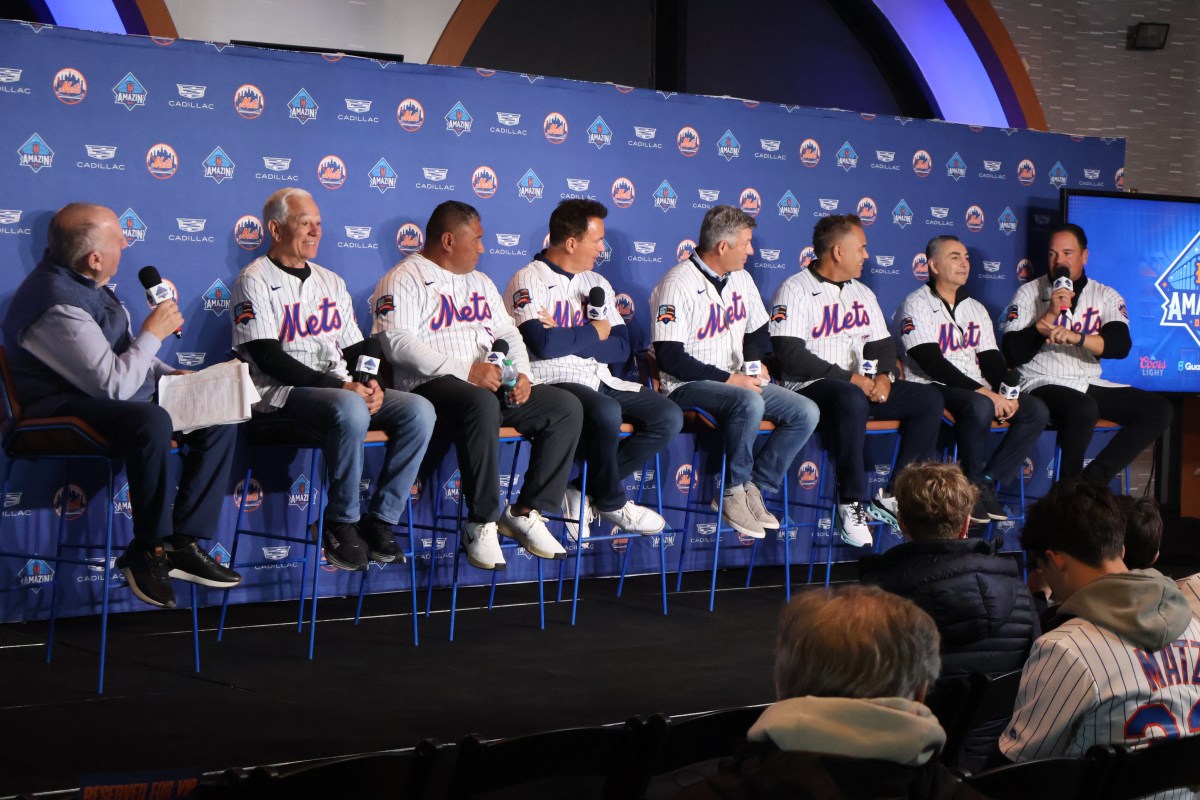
column 417, row 417
column 346, row 412
column 472, row 405
column 667, row 419
column 563, row 408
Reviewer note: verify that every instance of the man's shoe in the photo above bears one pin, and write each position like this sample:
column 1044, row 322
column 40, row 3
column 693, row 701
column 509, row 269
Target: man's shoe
column 852, row 522
column 193, row 564
column 380, row 541
column 147, row 574
column 737, row 514
column 481, row 545
column 883, row 508
column 531, row 532
column 571, row 502
column 343, row 546
column 633, row 518
column 758, row 508
column 991, row 503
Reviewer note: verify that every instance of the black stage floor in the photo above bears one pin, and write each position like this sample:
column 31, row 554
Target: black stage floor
column 258, row 700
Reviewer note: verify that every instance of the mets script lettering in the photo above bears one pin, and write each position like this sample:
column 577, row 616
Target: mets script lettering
column 951, row 338
column 448, row 313
column 564, row 317
column 1089, row 322
column 833, row 321
column 293, row 325
column 719, row 319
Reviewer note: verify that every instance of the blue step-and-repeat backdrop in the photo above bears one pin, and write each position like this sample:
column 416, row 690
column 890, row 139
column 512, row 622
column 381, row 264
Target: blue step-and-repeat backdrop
column 185, row 140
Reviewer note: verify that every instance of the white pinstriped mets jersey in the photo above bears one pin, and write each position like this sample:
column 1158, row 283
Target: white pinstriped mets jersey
column 435, row 322
column 688, row 308
column 537, row 286
column 1062, row 364
column 961, row 335
column 834, row 322
column 313, row 320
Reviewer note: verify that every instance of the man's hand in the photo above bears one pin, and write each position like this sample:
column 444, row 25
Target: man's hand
column 863, row 382
column 485, row 376
column 880, row 389
column 371, row 394
column 164, row 320
column 545, row 318
column 744, row 381
column 1061, row 334
column 603, row 328
column 1060, row 299
column 520, row 392
column 1003, row 407
column 764, row 375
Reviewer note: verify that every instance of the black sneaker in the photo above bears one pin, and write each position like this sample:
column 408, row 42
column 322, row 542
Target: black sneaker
column 380, row 541
column 193, row 564
column 344, row 548
column 979, row 515
column 991, row 503
column 146, row 571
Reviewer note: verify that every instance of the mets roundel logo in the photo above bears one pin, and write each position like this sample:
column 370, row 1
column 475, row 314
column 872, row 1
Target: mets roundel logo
column 248, row 232
column 254, row 495
column 162, row 161
column 867, row 211
column 623, row 192
column 554, row 127
column 685, row 249
column 920, row 267
column 1026, row 172
column 70, row 86
column 484, row 181
column 248, row 101
column 410, row 239
column 1024, row 270
column 808, row 475
column 1027, row 470
column 922, row 163
column 750, row 201
column 810, row 153
column 132, row 227
column 410, row 114
column 76, row 502
column 974, row 219
column 807, row 257
column 624, row 306
column 1119, row 178
column 688, row 141
column 331, row 172
column 683, row 478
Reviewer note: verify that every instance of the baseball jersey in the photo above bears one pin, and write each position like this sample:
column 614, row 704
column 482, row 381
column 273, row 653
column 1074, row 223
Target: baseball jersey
column 313, row 320
column 960, row 334
column 834, row 321
column 537, row 286
column 710, row 323
column 1063, row 364
column 433, row 322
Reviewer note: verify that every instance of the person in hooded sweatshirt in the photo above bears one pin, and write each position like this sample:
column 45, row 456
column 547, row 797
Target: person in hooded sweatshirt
column 852, row 665
column 1120, row 668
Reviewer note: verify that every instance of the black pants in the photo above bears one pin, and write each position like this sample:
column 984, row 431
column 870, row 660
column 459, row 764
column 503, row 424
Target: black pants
column 1143, row 417
column 471, row 416
column 973, row 415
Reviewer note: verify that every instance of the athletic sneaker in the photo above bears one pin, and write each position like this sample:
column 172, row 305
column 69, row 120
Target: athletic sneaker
column 758, row 508
column 991, row 503
column 570, row 507
column 633, row 518
column 343, row 546
column 196, row 566
column 979, row 515
column 380, row 541
column 481, row 545
column 852, row 524
column 737, row 514
column 146, row 571
column 531, row 532
column 883, row 508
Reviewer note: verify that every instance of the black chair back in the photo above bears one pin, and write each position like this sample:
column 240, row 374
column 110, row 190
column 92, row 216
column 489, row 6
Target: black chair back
column 690, row 741
column 1161, row 765
column 380, row 776
column 1057, row 778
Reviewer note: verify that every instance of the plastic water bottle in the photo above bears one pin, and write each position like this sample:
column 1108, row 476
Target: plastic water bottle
column 508, row 381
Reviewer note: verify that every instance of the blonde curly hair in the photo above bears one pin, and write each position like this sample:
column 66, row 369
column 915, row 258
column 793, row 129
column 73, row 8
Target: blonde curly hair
column 934, row 500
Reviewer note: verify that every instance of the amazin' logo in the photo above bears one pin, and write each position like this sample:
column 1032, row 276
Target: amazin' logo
column 302, row 107
column 665, row 197
column 1179, row 285
column 248, row 232
column 1007, row 221
column 35, row 153
column 902, row 215
column 129, row 92
column 248, row 101
column 300, row 493
column 459, row 120
column 35, row 573
column 475, row 310
column 530, row 187
column 728, row 146
column 218, row 166
column 216, row 299
column 294, row 325
column 847, row 159
column 688, row 141
column 554, row 128
column 599, row 133
column 70, row 86
column 789, row 206
column 382, row 176
column 956, row 168
column 410, row 115
column 121, row 504
column 132, row 227
column 1058, row 175
column 410, row 238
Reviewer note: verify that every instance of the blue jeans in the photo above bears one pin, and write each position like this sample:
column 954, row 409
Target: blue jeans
column 739, row 411
column 973, row 415
column 337, row 420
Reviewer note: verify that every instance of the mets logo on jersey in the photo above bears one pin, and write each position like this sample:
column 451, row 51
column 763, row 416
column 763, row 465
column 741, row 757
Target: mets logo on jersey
column 521, row 298
column 530, row 187
column 624, row 305
column 789, row 206
column 666, row 314
column 243, row 313
column 599, row 133
column 847, row 159
column 216, row 299
column 688, row 141
column 554, row 128
column 810, row 153
column 808, row 475
column 129, row 92
column 384, row 305
column 35, row 153
column 331, row 172
column 920, row 267
column 248, row 232
column 922, row 163
column 1026, row 172
column 410, row 238
column 807, row 256
column 867, row 211
column 685, row 249
column 459, row 120
column 132, row 227
column 1012, row 313
column 1179, row 285
column 902, row 215
column 162, row 161
column 974, row 217
column 410, row 114
column 623, row 193
column 907, row 326
column 750, row 201
column 248, row 101
column 383, row 177
column 1058, row 175
column 1024, row 270
column 665, row 197
column 1007, row 221
column 684, row 478
column 956, row 168
column 483, row 182
column 779, row 314
column 728, row 146
column 219, row 166
column 302, row 107
column 70, row 86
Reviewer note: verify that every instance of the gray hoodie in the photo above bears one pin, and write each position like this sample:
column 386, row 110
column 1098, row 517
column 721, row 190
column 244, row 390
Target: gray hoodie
column 1141, row 605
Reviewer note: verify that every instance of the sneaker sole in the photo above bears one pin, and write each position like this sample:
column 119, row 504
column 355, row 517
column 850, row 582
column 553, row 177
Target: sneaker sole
column 139, row 594
column 529, row 548
column 769, row 524
column 978, row 521
column 497, row 567
column 883, row 515
column 334, row 561
column 636, row 531
column 381, row 558
column 998, row 517
column 845, row 538
column 752, row 533
column 211, row 583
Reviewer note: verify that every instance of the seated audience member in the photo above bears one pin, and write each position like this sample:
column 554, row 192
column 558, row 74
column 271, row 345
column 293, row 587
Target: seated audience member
column 1110, row 673
column 1143, row 531
column 852, row 666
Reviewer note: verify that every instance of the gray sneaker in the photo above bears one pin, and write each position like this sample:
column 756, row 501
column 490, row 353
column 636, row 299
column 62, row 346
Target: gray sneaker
column 737, row 515
column 758, row 508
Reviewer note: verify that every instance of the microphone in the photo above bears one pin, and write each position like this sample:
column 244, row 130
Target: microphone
column 368, row 361
column 1062, row 280
column 868, row 367
column 1010, row 385
column 498, row 353
column 597, row 308
column 156, row 291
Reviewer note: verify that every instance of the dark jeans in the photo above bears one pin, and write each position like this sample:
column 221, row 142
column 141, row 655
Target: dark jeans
column 844, row 414
column 471, row 417
column 140, row 433
column 610, row 458
column 973, row 415
column 1143, row 418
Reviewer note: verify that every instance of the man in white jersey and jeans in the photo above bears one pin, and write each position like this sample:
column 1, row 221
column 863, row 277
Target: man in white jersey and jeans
column 438, row 318
column 709, row 322
column 1122, row 668
column 294, row 321
column 949, row 343
column 571, row 344
column 1056, row 330
column 833, row 346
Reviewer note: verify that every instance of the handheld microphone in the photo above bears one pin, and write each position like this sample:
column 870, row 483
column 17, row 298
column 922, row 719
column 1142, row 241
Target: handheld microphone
column 1010, row 386
column 868, row 367
column 1062, row 280
column 156, row 291
column 368, row 361
column 498, row 353
column 752, row 368
column 597, row 308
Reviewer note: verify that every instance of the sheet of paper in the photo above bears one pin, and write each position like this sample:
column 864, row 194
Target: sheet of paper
column 218, row 395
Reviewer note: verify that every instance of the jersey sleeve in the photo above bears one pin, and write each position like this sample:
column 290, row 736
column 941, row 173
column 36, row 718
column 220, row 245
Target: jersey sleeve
column 1112, row 307
column 1021, row 312
column 671, row 309
column 787, row 311
column 253, row 314
column 916, row 325
column 756, row 312
column 1056, row 689
column 878, row 328
column 525, row 295
column 351, row 333
column 987, row 333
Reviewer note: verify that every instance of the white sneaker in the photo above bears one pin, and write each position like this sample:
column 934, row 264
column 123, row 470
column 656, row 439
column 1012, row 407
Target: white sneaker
column 633, row 518
column 884, row 508
column 852, row 524
column 570, row 506
column 758, row 508
column 532, row 533
column 482, row 546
